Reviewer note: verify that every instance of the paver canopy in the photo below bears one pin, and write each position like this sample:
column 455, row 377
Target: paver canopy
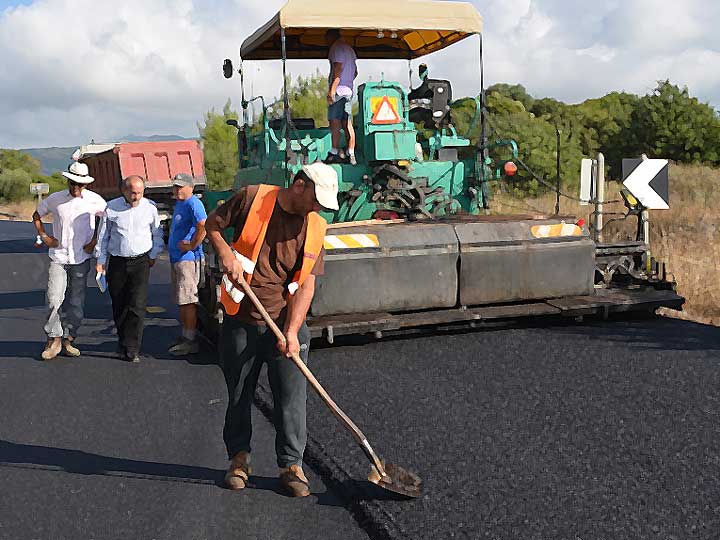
column 400, row 29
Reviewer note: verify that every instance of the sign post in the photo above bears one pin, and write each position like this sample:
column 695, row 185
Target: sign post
column 592, row 190
column 600, row 194
column 39, row 190
column 647, row 179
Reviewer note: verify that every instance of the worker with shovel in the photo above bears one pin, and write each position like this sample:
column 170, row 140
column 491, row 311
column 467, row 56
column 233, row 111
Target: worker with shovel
column 278, row 249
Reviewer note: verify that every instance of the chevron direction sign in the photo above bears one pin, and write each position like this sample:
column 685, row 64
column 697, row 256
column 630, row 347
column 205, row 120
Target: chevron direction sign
column 647, row 179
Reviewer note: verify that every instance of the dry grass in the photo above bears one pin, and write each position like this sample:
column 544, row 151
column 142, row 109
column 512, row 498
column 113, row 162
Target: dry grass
column 22, row 210
column 687, row 236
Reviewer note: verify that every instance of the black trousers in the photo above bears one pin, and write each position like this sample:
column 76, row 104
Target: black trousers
column 128, row 285
column 244, row 348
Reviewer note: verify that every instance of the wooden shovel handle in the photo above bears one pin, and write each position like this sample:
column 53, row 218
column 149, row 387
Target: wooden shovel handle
column 358, row 435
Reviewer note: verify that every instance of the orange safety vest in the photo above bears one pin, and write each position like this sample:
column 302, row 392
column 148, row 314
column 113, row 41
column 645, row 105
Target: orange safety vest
column 251, row 240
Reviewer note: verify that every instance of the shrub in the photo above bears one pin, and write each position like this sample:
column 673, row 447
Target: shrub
column 14, row 185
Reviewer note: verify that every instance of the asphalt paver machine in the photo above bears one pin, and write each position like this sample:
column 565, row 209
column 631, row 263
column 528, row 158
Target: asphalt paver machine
column 414, row 243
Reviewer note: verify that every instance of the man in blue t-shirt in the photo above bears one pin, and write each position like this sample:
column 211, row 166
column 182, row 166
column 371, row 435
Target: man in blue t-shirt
column 187, row 232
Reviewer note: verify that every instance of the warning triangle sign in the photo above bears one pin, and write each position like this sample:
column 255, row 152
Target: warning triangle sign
column 386, row 113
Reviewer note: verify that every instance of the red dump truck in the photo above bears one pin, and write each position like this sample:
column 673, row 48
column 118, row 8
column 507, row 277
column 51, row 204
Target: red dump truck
column 157, row 162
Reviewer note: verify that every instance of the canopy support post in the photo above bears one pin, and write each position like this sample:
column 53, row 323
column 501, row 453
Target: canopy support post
column 483, row 133
column 286, row 105
column 243, row 103
column 557, row 169
column 242, row 132
column 410, row 73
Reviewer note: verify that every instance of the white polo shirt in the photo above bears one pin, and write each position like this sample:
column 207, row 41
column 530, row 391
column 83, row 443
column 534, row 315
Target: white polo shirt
column 73, row 223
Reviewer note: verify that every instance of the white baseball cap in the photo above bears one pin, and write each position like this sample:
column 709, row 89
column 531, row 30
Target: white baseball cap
column 326, row 184
column 78, row 173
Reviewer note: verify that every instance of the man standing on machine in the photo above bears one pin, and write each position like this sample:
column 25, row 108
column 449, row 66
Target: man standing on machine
column 343, row 71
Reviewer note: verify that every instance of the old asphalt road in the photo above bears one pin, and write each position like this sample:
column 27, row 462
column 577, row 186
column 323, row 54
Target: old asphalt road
column 94, row 448
column 595, row 431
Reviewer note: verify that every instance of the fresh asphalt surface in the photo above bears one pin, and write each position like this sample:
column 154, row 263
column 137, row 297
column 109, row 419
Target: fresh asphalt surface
column 96, row 448
column 600, row 430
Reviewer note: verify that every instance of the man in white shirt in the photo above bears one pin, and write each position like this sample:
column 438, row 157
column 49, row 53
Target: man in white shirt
column 130, row 240
column 343, row 71
column 75, row 212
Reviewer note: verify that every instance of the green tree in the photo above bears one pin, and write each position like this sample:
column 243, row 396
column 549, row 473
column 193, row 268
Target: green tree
column 599, row 125
column 307, row 98
column 537, row 148
column 515, row 92
column 57, row 182
column 607, row 122
column 501, row 104
column 465, row 118
column 15, row 159
column 548, row 107
column 17, row 171
column 669, row 123
column 219, row 147
column 536, row 139
column 14, row 185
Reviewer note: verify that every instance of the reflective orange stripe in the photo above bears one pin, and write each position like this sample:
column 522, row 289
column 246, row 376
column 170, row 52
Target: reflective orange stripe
column 314, row 241
column 253, row 234
column 254, row 229
column 256, row 223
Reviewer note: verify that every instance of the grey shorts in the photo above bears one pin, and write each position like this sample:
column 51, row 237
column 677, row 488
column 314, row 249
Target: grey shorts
column 341, row 109
column 185, row 280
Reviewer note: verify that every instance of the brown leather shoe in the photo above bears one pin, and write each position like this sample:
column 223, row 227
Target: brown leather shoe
column 52, row 349
column 294, row 481
column 70, row 349
column 238, row 472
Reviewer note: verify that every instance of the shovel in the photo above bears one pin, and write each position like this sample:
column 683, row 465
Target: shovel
column 386, row 475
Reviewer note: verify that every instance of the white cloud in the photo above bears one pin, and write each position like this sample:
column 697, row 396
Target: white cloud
column 79, row 69
column 72, row 70
column 584, row 49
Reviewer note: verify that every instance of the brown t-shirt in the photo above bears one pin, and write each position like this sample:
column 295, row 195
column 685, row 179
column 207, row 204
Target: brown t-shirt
column 280, row 256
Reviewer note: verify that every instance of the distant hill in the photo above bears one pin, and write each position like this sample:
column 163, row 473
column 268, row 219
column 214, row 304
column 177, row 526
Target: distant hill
column 58, row 158
column 153, row 138
column 52, row 159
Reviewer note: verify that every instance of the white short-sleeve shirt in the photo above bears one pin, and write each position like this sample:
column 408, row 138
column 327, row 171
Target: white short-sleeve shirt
column 73, row 223
column 342, row 53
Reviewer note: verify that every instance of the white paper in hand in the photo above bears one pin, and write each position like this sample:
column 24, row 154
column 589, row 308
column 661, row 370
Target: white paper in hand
column 101, row 282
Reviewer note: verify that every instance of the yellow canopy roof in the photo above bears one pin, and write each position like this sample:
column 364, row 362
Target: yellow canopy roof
column 408, row 28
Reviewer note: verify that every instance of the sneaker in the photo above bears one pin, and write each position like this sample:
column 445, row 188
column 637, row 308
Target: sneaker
column 175, row 343
column 70, row 349
column 239, row 471
column 52, row 349
column 133, row 358
column 353, row 160
column 333, row 158
column 185, row 347
column 294, row 481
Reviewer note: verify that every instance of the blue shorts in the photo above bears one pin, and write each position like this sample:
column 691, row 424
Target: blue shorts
column 341, row 109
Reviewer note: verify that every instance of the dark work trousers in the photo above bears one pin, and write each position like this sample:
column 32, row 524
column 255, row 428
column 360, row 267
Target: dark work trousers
column 244, row 348
column 128, row 285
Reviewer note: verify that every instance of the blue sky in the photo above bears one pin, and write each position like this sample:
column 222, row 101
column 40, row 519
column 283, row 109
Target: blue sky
column 75, row 70
column 10, row 3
